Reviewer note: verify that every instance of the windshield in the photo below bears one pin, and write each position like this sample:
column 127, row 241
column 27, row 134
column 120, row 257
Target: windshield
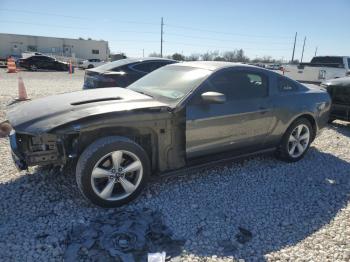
column 327, row 60
column 170, row 83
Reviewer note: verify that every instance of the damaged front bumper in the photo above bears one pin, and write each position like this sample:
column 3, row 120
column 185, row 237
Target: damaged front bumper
column 29, row 150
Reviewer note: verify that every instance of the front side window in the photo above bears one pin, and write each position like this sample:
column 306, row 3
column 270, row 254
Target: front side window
column 237, row 85
column 45, row 58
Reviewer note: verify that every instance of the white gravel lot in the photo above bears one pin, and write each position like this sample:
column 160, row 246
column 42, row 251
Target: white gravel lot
column 259, row 209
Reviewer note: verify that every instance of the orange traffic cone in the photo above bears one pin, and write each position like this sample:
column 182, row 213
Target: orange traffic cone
column 22, row 93
column 11, row 65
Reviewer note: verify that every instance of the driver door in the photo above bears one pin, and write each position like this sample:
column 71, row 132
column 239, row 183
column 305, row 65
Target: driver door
column 242, row 121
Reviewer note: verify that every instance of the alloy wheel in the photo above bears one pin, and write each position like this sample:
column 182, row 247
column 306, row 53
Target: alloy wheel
column 298, row 140
column 116, row 175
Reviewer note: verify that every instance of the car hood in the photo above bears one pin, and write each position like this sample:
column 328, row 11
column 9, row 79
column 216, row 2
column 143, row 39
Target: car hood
column 343, row 82
column 42, row 115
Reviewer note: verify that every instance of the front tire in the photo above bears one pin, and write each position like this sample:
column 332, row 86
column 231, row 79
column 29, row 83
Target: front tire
column 112, row 171
column 33, row 68
column 296, row 141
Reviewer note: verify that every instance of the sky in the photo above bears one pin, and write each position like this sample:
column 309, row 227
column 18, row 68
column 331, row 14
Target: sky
column 259, row 27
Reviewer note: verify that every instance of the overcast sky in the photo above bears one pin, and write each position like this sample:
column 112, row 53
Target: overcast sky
column 258, row 27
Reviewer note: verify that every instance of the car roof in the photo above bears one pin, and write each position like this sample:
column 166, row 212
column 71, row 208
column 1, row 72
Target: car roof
column 143, row 59
column 213, row 65
column 342, row 81
column 122, row 62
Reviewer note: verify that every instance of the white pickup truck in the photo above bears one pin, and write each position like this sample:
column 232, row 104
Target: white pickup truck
column 319, row 69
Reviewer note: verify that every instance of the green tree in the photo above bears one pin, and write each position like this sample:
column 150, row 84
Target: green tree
column 154, row 54
column 178, row 57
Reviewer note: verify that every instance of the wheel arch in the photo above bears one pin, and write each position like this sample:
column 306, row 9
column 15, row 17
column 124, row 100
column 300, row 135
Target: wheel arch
column 310, row 118
column 144, row 136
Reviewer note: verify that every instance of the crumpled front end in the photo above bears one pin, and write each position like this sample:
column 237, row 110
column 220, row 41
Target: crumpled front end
column 28, row 150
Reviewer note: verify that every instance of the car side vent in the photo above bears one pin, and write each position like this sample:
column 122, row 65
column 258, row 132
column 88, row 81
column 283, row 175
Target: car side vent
column 95, row 101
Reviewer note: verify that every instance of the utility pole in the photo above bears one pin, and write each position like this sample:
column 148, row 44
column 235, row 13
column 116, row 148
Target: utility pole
column 161, row 37
column 302, row 53
column 316, row 51
column 295, row 40
column 143, row 52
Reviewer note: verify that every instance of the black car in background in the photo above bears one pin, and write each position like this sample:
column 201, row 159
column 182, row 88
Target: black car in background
column 36, row 62
column 339, row 90
column 123, row 72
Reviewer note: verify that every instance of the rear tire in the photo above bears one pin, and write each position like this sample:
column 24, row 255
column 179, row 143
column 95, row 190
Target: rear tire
column 112, row 171
column 296, row 141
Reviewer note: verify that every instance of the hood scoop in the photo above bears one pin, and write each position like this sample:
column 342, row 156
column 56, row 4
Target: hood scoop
column 95, row 101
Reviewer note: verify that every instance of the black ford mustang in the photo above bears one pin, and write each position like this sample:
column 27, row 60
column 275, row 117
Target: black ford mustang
column 177, row 116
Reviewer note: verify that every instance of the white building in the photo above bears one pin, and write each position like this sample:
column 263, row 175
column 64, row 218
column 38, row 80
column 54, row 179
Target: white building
column 15, row 45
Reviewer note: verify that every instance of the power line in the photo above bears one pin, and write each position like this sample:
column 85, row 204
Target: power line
column 225, row 33
column 73, row 27
column 221, row 47
column 46, row 25
column 138, row 22
column 226, row 40
column 71, row 17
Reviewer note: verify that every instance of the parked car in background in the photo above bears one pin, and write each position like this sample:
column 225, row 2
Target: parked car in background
column 177, row 116
column 319, row 69
column 36, row 62
column 274, row 66
column 122, row 73
column 29, row 54
column 91, row 63
column 339, row 90
column 3, row 62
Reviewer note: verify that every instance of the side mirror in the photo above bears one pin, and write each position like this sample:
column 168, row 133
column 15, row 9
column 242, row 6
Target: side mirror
column 213, row 98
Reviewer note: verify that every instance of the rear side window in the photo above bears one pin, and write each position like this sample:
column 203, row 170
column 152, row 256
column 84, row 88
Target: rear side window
column 285, row 85
column 148, row 67
column 143, row 67
column 331, row 60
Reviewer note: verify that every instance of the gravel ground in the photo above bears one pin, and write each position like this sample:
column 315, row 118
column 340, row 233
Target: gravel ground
column 258, row 209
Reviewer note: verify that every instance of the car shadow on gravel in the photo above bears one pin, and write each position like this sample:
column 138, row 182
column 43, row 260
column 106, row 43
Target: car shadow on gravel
column 244, row 210
column 260, row 206
column 341, row 126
